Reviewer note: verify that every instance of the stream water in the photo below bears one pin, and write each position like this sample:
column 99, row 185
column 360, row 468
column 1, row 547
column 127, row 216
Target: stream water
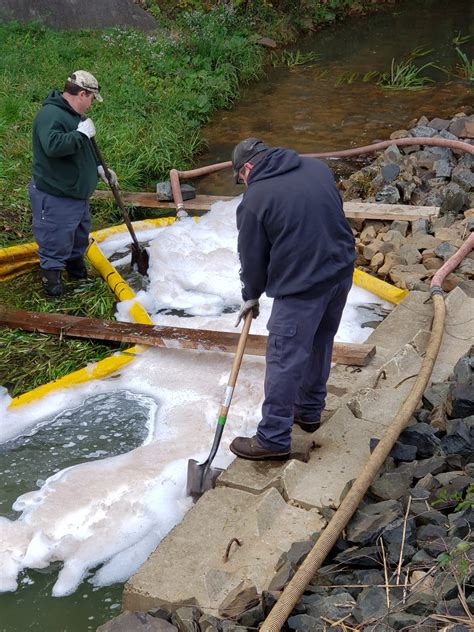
column 301, row 109
column 298, row 107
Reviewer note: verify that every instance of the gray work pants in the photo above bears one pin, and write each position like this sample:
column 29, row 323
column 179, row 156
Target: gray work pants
column 298, row 361
column 61, row 227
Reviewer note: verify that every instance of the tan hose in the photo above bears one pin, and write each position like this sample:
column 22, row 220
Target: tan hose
column 297, row 585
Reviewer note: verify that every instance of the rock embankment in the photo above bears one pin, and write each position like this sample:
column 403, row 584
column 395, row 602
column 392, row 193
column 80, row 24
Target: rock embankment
column 408, row 254
column 406, row 560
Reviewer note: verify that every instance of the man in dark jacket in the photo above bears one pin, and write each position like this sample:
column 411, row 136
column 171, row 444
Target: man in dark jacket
column 65, row 172
column 296, row 245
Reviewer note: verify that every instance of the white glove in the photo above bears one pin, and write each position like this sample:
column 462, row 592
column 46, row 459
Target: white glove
column 246, row 306
column 113, row 176
column 87, row 128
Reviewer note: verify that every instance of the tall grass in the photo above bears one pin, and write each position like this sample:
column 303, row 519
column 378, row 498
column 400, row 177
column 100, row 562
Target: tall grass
column 158, row 91
column 465, row 66
column 405, row 75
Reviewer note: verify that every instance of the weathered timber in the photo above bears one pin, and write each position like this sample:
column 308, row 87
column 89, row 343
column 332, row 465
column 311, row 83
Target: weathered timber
column 360, row 210
column 157, row 336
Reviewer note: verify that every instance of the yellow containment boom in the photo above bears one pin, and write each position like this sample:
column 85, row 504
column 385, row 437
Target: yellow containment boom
column 123, row 292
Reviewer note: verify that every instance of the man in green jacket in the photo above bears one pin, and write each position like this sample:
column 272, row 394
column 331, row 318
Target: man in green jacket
column 65, row 170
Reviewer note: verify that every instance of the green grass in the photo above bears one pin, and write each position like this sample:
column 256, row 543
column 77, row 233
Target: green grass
column 294, row 58
column 158, row 91
column 405, row 75
column 29, row 360
column 465, row 66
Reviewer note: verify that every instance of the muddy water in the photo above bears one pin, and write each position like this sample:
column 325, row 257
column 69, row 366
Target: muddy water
column 304, row 108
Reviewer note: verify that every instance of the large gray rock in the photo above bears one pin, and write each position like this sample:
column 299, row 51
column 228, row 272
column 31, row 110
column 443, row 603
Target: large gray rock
column 136, row 622
column 70, row 14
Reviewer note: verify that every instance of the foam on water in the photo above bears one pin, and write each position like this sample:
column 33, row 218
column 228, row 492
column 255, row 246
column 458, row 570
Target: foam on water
column 113, row 512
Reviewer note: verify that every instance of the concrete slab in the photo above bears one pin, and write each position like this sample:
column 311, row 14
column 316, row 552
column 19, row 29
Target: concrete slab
column 399, row 328
column 458, row 333
column 188, row 567
column 403, row 323
column 379, row 405
column 342, row 449
column 257, row 476
column 403, row 366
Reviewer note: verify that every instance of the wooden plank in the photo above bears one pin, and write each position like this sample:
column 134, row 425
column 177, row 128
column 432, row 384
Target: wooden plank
column 157, row 336
column 354, row 210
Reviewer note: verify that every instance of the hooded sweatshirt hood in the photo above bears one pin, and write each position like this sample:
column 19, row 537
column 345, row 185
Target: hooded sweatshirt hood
column 64, row 163
column 275, row 162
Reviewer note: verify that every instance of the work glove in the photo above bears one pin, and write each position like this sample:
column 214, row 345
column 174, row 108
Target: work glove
column 87, row 128
column 113, row 176
column 246, row 306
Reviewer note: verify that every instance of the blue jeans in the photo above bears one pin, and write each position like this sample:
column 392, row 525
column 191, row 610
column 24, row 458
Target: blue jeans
column 61, row 227
column 298, row 361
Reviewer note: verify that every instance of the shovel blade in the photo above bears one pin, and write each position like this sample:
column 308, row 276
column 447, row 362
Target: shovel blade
column 201, row 477
column 141, row 259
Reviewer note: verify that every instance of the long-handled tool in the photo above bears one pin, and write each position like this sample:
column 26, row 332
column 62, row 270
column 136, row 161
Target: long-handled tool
column 201, row 476
column 139, row 255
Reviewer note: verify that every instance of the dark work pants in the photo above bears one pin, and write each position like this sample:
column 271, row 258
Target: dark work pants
column 299, row 351
column 61, row 227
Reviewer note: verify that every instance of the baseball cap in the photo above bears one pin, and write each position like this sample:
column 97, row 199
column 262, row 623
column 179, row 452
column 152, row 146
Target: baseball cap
column 244, row 152
column 85, row 80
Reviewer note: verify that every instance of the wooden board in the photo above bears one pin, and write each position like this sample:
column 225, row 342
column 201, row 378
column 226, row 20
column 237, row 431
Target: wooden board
column 156, row 336
column 354, row 210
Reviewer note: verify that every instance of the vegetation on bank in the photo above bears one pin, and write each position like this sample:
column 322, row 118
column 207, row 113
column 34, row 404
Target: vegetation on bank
column 31, row 359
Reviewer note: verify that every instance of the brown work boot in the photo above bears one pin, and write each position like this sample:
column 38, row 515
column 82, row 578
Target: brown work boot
column 249, row 448
column 308, row 425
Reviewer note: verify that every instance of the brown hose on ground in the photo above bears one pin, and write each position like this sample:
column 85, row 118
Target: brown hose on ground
column 296, row 587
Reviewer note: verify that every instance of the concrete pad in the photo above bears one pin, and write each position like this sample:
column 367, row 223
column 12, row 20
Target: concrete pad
column 380, row 405
column 404, row 365
column 188, row 566
column 343, row 449
column 458, row 332
column 257, row 476
column 403, row 323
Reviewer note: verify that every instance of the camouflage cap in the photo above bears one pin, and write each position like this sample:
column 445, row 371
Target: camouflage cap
column 244, row 152
column 85, row 80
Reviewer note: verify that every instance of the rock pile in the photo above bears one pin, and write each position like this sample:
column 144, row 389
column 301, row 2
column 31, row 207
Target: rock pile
column 406, row 561
column 407, row 254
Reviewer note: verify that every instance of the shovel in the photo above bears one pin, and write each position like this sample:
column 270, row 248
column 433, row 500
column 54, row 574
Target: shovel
column 201, row 476
column 139, row 255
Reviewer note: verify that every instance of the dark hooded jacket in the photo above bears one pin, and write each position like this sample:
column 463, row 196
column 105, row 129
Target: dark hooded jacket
column 64, row 163
column 294, row 238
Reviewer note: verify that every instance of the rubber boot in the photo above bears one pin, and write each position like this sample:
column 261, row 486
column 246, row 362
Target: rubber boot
column 76, row 269
column 51, row 280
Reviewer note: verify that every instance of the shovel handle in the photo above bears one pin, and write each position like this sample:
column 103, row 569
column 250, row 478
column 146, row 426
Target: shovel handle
column 230, row 388
column 115, row 191
column 234, row 372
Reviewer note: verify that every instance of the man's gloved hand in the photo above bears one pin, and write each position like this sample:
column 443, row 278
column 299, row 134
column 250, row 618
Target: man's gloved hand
column 246, row 306
column 113, row 176
column 87, row 128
